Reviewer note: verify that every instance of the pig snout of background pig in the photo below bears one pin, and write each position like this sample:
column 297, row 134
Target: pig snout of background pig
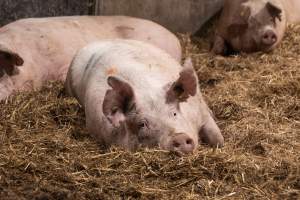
column 135, row 95
column 268, row 37
column 250, row 26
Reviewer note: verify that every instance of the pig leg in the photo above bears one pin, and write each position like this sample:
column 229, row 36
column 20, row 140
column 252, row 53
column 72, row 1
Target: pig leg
column 219, row 46
column 211, row 134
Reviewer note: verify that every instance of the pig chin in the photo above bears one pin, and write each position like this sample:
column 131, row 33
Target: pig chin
column 268, row 48
column 250, row 45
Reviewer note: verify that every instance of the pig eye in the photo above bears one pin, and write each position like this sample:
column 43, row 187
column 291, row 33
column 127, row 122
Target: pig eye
column 273, row 20
column 174, row 114
column 143, row 124
column 114, row 110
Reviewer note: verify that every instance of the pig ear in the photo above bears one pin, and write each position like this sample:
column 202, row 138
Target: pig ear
column 240, row 23
column 9, row 60
column 118, row 101
column 185, row 86
column 274, row 11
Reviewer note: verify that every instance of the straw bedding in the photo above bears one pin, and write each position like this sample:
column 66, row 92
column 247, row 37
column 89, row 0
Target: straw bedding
column 46, row 153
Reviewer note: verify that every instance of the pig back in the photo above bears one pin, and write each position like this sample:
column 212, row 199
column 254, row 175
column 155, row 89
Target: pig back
column 47, row 45
column 142, row 65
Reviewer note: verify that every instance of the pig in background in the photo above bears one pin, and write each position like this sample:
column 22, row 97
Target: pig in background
column 135, row 95
column 253, row 25
column 33, row 51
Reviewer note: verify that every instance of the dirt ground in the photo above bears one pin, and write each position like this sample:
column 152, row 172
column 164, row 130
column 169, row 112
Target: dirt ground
column 45, row 152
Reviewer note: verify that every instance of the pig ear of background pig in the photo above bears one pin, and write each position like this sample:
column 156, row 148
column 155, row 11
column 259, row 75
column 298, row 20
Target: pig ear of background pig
column 9, row 60
column 118, row 101
column 274, row 11
column 185, row 86
column 240, row 23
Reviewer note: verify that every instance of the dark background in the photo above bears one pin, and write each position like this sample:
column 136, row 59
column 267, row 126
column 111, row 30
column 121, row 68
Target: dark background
column 11, row 10
column 186, row 16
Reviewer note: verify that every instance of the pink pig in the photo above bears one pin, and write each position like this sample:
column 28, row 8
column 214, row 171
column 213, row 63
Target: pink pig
column 253, row 25
column 136, row 95
column 33, row 51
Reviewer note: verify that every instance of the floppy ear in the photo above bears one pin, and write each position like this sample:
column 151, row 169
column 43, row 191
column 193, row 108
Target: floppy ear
column 9, row 60
column 274, row 11
column 240, row 23
column 118, row 101
column 185, row 86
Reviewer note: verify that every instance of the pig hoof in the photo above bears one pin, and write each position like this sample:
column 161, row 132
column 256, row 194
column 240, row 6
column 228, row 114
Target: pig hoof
column 217, row 141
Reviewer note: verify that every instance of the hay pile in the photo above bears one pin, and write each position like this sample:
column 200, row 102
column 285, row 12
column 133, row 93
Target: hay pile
column 45, row 152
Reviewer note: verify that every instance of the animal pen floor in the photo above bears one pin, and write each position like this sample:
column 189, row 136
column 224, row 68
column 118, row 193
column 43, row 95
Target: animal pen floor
column 45, row 152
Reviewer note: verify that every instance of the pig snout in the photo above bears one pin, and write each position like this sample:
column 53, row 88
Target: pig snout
column 182, row 143
column 269, row 37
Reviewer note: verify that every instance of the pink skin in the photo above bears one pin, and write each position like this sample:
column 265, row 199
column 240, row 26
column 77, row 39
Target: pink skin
column 292, row 8
column 250, row 25
column 135, row 95
column 33, row 51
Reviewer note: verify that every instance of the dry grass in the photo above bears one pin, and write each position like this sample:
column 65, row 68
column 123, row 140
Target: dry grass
column 45, row 152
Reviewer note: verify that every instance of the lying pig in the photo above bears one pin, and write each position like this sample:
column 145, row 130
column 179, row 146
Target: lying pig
column 253, row 25
column 135, row 95
column 33, row 51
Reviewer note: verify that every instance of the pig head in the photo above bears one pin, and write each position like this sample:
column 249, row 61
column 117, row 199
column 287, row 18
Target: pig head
column 250, row 26
column 135, row 95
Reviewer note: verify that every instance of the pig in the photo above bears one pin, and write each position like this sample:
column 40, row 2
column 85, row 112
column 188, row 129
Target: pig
column 136, row 95
column 253, row 25
column 36, row 50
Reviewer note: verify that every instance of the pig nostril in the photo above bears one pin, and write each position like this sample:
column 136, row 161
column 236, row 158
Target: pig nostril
column 176, row 144
column 269, row 38
column 189, row 141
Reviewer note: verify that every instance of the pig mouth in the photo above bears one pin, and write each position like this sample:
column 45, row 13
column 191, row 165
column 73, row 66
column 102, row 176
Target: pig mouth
column 252, row 46
column 268, row 48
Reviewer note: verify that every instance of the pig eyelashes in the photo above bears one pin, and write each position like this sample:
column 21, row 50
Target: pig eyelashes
column 114, row 110
column 143, row 124
column 137, row 125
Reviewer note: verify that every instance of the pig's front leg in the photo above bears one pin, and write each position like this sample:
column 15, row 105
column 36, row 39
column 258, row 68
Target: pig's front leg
column 219, row 46
column 211, row 134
